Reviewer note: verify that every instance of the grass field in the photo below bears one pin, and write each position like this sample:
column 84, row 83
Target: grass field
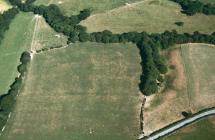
column 200, row 67
column 25, row 33
column 190, row 86
column 86, row 91
column 16, row 40
column 71, row 7
column 4, row 6
column 147, row 16
column 202, row 130
column 45, row 36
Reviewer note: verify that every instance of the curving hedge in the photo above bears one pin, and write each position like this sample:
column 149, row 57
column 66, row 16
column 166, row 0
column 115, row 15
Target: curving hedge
column 7, row 100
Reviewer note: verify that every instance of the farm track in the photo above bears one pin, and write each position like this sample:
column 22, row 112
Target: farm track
column 36, row 18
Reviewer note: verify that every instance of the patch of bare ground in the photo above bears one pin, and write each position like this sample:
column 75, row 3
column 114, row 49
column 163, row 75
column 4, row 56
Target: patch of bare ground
column 165, row 108
column 180, row 80
column 149, row 100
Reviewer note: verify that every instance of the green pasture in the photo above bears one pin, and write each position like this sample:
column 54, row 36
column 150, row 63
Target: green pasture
column 24, row 34
column 16, row 40
column 86, row 91
column 152, row 16
column 46, row 37
column 71, row 7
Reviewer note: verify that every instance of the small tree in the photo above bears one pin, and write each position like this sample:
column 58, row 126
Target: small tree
column 84, row 14
column 25, row 57
column 179, row 23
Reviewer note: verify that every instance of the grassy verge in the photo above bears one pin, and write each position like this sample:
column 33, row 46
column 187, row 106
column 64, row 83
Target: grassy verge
column 201, row 130
column 177, row 122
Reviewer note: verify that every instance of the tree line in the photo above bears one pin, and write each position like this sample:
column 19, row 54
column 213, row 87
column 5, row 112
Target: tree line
column 153, row 64
column 191, row 7
column 67, row 25
column 7, row 100
column 5, row 20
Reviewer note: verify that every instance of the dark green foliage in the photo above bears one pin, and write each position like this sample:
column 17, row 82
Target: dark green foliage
column 15, row 2
column 191, row 7
column 7, row 101
column 83, row 37
column 84, row 14
column 153, row 63
column 5, row 20
column 186, row 114
column 179, row 23
column 22, row 68
column 54, row 17
column 30, row 1
column 160, row 79
column 148, row 84
column 25, row 57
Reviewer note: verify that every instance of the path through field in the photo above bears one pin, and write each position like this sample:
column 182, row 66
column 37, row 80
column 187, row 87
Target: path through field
column 37, row 19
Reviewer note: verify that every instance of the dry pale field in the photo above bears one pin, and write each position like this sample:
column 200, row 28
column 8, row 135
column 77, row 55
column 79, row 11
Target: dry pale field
column 86, row 91
column 152, row 16
column 166, row 107
column 191, row 86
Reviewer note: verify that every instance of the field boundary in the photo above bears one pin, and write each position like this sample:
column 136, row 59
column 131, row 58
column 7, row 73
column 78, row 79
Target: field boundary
column 177, row 122
column 8, row 100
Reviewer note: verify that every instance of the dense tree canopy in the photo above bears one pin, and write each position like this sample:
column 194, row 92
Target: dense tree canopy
column 5, row 20
column 191, row 7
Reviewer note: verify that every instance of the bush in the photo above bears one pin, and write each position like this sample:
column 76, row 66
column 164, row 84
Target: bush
column 25, row 57
column 179, row 23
